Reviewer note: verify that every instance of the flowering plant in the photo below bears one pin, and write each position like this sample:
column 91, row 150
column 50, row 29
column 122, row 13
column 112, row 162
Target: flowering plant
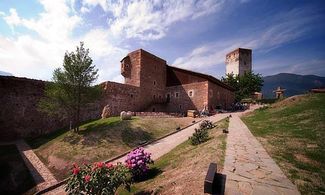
column 138, row 161
column 99, row 178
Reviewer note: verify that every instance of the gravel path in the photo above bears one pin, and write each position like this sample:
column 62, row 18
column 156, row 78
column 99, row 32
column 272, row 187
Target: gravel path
column 248, row 167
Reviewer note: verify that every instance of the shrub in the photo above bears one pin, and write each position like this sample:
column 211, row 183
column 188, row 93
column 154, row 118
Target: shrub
column 138, row 161
column 99, row 178
column 199, row 136
column 206, row 124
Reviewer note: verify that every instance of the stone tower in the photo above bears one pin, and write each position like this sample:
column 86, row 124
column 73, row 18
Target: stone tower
column 239, row 61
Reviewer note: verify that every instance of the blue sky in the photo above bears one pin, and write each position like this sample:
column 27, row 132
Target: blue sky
column 286, row 36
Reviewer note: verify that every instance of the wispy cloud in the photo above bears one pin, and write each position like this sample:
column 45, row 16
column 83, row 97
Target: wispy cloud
column 282, row 29
column 151, row 19
column 36, row 54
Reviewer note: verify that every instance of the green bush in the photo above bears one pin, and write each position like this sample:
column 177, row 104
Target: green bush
column 206, row 124
column 199, row 136
column 100, row 178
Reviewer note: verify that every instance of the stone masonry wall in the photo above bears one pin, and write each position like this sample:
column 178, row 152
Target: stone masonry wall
column 19, row 114
column 219, row 96
column 133, row 61
column 153, row 79
column 183, row 101
column 121, row 97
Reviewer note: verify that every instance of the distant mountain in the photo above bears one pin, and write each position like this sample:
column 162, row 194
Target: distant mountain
column 3, row 73
column 293, row 83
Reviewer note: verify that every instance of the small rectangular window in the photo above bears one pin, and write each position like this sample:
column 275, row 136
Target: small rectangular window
column 176, row 94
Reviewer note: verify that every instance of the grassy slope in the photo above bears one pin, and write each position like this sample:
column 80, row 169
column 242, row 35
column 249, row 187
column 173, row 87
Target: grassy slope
column 293, row 133
column 100, row 140
column 182, row 170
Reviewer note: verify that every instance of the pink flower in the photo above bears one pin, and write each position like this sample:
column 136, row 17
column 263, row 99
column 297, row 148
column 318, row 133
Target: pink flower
column 75, row 170
column 109, row 165
column 87, row 178
column 99, row 164
column 74, row 164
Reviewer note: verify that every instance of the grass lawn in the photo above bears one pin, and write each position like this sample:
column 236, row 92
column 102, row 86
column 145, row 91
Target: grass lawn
column 293, row 132
column 182, row 170
column 100, row 140
column 15, row 177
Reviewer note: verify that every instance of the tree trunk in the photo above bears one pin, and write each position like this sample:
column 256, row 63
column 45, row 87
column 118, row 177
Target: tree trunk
column 78, row 108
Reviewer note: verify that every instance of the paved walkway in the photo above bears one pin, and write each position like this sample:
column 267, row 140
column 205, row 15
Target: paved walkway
column 248, row 167
column 42, row 176
column 165, row 145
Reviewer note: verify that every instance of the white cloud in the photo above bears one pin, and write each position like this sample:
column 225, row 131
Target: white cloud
column 105, row 54
column 54, row 27
column 37, row 56
column 12, row 19
column 87, row 4
column 282, row 29
column 151, row 19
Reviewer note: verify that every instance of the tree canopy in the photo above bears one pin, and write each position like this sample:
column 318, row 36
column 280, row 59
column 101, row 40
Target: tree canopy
column 244, row 85
column 71, row 87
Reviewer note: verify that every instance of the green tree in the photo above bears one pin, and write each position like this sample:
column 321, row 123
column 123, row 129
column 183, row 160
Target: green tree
column 71, row 87
column 244, row 85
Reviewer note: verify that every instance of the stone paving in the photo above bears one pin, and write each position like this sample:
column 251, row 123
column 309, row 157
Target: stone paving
column 248, row 167
column 42, row 176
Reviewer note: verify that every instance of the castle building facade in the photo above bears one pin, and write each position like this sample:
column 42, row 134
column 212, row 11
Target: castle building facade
column 239, row 61
column 153, row 86
column 150, row 86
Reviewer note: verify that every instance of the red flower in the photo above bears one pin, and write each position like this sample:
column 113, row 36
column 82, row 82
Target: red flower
column 109, row 165
column 128, row 164
column 75, row 170
column 75, row 165
column 87, row 178
column 100, row 164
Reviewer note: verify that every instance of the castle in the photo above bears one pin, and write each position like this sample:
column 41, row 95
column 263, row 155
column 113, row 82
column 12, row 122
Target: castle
column 239, row 61
column 150, row 86
column 153, row 86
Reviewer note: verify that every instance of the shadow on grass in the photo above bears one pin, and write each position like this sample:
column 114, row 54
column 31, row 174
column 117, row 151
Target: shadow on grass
column 106, row 129
column 43, row 139
column 143, row 192
column 100, row 126
column 152, row 173
column 135, row 136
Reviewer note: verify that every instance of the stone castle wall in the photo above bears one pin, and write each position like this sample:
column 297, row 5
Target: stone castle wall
column 121, row 97
column 19, row 114
column 219, row 96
